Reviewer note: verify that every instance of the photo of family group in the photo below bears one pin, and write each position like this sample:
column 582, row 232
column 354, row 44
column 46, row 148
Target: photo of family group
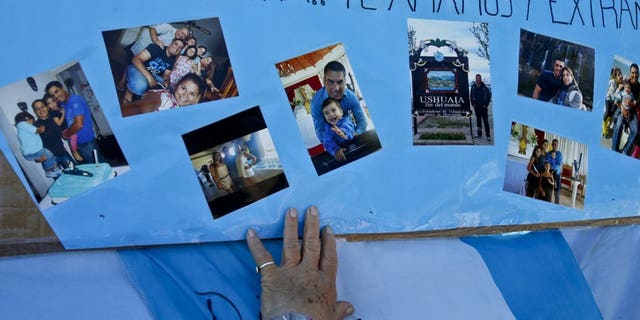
column 58, row 133
column 451, row 82
column 169, row 65
column 235, row 161
column 327, row 103
column 545, row 166
column 555, row 71
column 620, row 119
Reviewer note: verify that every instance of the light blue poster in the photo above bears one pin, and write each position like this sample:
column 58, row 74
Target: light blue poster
column 155, row 122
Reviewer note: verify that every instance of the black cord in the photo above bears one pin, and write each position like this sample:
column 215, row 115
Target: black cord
column 210, row 304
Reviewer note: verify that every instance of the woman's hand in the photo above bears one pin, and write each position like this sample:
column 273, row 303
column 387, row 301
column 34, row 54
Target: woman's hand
column 305, row 282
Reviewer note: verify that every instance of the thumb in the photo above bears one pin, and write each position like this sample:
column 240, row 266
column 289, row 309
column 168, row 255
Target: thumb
column 343, row 309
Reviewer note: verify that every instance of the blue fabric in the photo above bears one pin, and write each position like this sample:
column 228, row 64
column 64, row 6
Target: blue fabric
column 537, row 275
column 180, row 282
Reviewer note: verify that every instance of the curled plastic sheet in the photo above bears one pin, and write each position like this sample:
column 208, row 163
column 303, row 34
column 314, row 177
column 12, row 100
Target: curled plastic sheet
column 437, row 115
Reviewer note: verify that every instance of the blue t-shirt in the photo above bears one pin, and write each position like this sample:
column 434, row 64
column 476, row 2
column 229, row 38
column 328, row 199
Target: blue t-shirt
column 159, row 62
column 557, row 163
column 331, row 141
column 349, row 104
column 77, row 106
column 549, row 84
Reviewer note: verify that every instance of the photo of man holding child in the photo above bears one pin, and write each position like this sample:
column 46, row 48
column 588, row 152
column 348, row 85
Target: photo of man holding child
column 329, row 109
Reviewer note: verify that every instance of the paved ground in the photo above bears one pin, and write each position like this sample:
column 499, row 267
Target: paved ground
column 452, row 124
column 606, row 142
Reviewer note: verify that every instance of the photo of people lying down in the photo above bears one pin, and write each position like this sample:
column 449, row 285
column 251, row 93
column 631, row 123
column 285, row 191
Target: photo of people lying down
column 58, row 133
column 169, row 65
column 235, row 162
column 329, row 109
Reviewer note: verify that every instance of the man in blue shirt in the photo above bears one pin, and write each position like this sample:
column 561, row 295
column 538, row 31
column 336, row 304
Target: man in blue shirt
column 79, row 120
column 556, row 166
column 335, row 86
column 549, row 82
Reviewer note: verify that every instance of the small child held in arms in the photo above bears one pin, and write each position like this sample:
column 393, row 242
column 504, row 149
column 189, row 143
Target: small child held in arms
column 338, row 129
column 31, row 144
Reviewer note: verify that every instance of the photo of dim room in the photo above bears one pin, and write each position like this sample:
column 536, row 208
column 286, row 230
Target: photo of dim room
column 326, row 101
column 57, row 131
column 545, row 166
column 235, row 162
column 169, row 65
column 555, row 71
column 620, row 119
column 451, row 99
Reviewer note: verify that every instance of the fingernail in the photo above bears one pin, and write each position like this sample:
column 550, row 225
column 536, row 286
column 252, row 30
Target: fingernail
column 328, row 230
column 293, row 213
column 251, row 233
column 350, row 310
column 313, row 211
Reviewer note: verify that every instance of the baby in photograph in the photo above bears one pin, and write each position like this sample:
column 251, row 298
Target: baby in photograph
column 31, row 144
column 338, row 129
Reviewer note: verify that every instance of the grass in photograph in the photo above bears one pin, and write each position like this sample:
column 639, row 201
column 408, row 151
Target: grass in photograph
column 443, row 136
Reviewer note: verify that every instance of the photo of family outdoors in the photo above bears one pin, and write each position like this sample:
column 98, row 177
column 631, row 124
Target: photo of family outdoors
column 58, row 133
column 235, row 161
column 451, row 82
column 620, row 119
column 326, row 101
column 555, row 71
column 545, row 166
column 169, row 65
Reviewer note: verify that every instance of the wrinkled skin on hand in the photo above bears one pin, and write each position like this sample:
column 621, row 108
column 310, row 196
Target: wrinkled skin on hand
column 305, row 282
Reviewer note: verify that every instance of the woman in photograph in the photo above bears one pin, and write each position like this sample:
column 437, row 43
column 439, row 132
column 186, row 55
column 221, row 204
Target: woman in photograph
column 184, row 64
column 569, row 95
column 546, row 183
column 187, row 91
column 534, row 167
column 207, row 70
column 615, row 86
column 220, row 173
column 245, row 162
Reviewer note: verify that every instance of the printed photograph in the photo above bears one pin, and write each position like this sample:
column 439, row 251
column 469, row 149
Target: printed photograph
column 545, row 166
column 235, row 161
column 327, row 103
column 451, row 83
column 58, row 133
column 169, row 65
column 555, row 71
column 620, row 119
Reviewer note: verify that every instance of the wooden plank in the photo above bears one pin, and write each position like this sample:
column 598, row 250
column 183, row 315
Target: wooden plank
column 473, row 231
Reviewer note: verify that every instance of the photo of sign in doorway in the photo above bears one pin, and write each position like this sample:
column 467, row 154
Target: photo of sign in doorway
column 332, row 139
column 451, row 83
column 235, row 161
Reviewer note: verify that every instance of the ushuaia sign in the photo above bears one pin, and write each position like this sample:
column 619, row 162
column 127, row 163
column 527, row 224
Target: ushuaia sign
column 440, row 77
